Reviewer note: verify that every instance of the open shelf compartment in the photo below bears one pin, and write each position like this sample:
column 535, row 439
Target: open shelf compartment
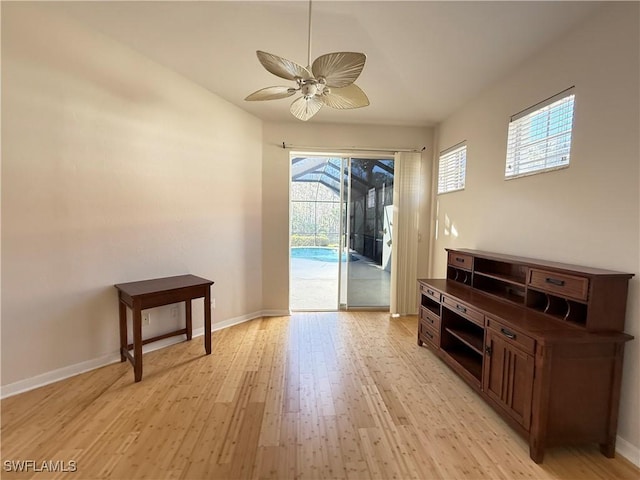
column 459, row 275
column 469, row 339
column 504, row 289
column 430, row 304
column 463, row 341
column 558, row 307
column 467, row 359
column 506, row 272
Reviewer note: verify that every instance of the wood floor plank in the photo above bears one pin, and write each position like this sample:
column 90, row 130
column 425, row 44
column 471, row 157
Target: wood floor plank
column 322, row 395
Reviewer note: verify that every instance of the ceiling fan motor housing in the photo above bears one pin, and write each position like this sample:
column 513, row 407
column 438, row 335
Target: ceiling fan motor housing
column 309, row 88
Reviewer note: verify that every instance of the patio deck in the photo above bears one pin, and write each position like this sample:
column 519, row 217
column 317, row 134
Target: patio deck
column 314, row 284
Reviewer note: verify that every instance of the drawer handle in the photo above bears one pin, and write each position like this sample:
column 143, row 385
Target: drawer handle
column 428, row 334
column 461, row 308
column 554, row 281
column 431, row 292
column 508, row 334
column 430, row 319
column 460, row 259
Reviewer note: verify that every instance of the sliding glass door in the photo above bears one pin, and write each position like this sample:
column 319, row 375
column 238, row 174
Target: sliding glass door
column 340, row 211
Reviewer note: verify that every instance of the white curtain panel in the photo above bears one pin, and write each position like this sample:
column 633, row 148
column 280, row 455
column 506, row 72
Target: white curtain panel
column 404, row 234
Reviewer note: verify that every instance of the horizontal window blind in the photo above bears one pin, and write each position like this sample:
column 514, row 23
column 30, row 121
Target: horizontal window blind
column 452, row 168
column 540, row 137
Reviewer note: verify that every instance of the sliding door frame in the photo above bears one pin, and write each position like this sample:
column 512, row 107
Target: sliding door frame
column 346, row 160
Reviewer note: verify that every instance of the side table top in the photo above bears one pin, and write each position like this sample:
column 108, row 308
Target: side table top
column 156, row 285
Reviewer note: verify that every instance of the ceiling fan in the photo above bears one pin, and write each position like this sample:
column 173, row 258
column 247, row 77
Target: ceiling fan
column 328, row 81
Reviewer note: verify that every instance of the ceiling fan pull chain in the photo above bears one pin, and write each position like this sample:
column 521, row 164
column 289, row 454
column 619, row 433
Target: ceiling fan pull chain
column 309, row 39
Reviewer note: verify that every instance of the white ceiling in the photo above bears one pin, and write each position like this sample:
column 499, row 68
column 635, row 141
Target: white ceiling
column 424, row 58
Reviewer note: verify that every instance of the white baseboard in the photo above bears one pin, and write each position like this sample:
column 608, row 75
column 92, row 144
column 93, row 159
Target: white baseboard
column 65, row 372
column 57, row 375
column 276, row 313
column 244, row 318
column 628, row 451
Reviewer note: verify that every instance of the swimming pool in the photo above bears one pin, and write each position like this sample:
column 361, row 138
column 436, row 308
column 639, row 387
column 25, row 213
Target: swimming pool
column 321, row 254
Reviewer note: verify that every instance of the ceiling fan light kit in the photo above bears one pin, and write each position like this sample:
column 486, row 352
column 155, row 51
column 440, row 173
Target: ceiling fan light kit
column 328, row 81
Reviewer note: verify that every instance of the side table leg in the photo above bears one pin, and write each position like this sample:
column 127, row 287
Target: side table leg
column 137, row 341
column 123, row 330
column 187, row 309
column 207, row 320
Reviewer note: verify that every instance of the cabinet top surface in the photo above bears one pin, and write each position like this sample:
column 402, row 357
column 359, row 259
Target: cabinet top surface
column 533, row 262
column 156, row 285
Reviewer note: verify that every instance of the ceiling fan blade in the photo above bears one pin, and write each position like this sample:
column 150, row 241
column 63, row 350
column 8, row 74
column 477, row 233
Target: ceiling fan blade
column 271, row 93
column 340, row 69
column 306, row 107
column 281, row 67
column 351, row 96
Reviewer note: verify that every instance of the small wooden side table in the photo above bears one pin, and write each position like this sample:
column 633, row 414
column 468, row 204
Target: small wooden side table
column 145, row 294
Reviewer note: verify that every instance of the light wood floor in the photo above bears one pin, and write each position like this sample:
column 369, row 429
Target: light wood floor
column 315, row 395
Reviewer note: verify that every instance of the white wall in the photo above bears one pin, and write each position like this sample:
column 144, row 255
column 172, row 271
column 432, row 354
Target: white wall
column 588, row 214
column 275, row 188
column 114, row 169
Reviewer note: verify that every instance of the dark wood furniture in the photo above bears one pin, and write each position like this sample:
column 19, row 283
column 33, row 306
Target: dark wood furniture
column 145, row 294
column 541, row 342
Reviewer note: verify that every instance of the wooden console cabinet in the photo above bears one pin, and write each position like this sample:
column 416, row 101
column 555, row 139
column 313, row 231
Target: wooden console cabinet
column 541, row 342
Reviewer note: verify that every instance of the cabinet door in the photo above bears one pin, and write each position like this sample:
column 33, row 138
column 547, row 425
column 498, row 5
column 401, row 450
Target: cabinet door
column 508, row 377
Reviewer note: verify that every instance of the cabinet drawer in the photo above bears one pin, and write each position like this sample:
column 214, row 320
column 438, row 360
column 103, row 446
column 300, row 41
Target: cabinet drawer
column 430, row 318
column 430, row 292
column 460, row 260
column 509, row 335
column 463, row 310
column 428, row 334
column 566, row 285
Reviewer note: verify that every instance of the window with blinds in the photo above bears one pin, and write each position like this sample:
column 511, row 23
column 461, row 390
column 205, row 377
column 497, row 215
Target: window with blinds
column 540, row 137
column 452, row 168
